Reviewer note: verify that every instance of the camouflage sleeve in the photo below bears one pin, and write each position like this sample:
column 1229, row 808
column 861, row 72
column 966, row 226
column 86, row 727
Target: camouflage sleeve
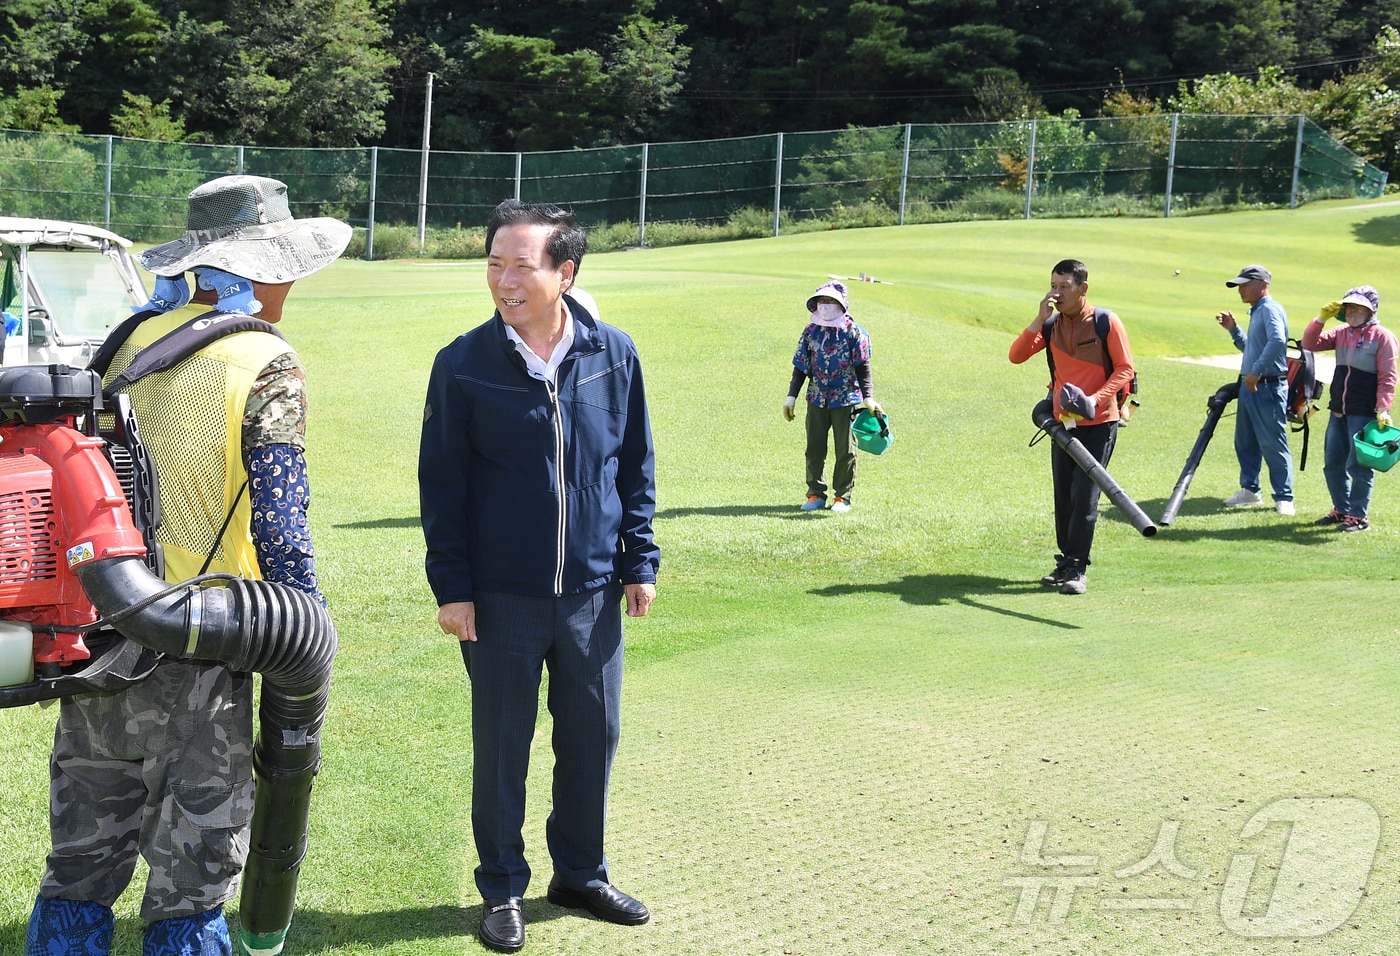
column 274, row 437
column 276, row 409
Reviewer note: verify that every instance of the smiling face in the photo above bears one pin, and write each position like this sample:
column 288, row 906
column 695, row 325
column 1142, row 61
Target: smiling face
column 525, row 283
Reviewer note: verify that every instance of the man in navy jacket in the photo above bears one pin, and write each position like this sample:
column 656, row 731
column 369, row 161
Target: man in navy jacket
column 537, row 488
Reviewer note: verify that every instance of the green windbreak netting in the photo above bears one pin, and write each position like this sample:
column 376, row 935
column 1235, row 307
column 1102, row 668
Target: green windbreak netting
column 1150, row 165
column 710, row 180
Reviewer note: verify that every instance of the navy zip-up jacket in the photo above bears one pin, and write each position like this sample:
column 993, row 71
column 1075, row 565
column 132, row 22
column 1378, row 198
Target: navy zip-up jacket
column 525, row 489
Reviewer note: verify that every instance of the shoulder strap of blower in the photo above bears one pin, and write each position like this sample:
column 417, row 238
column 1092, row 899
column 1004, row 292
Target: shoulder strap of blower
column 1101, row 330
column 1303, row 392
column 173, row 347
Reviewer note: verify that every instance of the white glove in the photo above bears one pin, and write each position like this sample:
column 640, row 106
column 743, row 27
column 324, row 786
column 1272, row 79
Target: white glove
column 872, row 405
column 788, row 406
column 1383, row 417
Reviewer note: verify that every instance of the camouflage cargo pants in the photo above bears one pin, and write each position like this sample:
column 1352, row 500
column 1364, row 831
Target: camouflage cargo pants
column 165, row 769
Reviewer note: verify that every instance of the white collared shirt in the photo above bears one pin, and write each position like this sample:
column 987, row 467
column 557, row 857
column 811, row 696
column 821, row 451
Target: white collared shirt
column 542, row 369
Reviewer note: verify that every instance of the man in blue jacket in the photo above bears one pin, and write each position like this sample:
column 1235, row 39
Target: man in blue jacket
column 537, row 486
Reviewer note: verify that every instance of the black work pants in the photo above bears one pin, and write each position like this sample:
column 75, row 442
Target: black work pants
column 1076, row 495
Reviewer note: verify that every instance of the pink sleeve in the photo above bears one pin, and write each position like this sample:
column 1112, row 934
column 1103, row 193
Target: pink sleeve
column 1316, row 340
column 1385, row 370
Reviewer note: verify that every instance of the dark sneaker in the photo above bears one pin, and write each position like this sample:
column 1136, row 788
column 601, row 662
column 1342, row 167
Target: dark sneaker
column 1332, row 517
column 1353, row 523
column 1074, row 582
column 1056, row 577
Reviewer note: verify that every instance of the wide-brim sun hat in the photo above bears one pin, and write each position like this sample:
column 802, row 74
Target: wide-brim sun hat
column 244, row 226
column 1363, row 295
column 828, row 290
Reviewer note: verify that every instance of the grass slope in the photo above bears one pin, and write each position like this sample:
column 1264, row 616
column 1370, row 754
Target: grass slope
column 840, row 732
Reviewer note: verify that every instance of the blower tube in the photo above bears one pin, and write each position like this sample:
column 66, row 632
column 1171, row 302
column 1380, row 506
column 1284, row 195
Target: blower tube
column 1043, row 415
column 287, row 637
column 1215, row 407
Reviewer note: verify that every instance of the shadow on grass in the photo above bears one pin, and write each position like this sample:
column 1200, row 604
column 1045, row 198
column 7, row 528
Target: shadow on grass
column 936, row 589
column 743, row 511
column 412, row 522
column 320, row 931
column 1380, row 231
column 1198, row 512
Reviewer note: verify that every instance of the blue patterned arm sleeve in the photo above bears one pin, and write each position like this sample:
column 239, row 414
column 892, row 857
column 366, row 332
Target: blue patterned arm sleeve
column 280, row 495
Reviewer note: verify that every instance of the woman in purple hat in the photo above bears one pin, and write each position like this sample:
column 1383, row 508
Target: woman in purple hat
column 1363, row 387
column 833, row 357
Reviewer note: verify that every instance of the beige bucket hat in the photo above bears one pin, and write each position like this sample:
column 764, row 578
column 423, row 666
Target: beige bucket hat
column 243, row 226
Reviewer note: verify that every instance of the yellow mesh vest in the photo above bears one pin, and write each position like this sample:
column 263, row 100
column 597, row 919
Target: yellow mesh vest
column 197, row 442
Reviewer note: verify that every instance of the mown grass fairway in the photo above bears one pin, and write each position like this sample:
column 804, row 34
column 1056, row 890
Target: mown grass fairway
column 871, row 733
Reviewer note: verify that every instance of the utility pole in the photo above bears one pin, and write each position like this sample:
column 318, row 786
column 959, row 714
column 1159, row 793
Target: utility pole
column 423, row 169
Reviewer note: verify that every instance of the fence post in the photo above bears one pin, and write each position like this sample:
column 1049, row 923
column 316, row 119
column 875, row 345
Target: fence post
column 107, row 190
column 373, row 184
column 1171, row 166
column 642, row 208
column 517, row 175
column 778, row 186
column 1030, row 170
column 1297, row 163
column 904, row 172
column 240, row 161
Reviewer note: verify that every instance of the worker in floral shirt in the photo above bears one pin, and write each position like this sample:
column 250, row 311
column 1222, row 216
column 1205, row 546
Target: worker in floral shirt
column 833, row 357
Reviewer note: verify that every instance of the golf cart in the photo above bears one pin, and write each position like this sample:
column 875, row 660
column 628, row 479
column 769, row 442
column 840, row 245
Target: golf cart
column 65, row 286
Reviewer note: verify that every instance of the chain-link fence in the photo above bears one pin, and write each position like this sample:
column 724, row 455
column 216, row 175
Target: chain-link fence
column 1153, row 165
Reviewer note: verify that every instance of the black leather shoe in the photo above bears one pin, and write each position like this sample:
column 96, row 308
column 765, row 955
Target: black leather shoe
column 502, row 925
column 605, row 902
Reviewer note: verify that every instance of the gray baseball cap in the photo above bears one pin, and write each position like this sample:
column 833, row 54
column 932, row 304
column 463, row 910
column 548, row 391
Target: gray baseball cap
column 1249, row 274
column 243, row 226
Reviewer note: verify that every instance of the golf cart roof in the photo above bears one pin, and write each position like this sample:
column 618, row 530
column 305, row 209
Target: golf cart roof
column 55, row 232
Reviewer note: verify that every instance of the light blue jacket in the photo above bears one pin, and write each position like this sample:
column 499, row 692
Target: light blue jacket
column 1265, row 350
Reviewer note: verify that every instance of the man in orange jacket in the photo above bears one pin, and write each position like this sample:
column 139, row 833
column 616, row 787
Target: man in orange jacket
column 1091, row 363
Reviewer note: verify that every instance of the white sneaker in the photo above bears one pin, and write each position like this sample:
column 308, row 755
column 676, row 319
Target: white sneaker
column 1285, row 508
column 1243, row 498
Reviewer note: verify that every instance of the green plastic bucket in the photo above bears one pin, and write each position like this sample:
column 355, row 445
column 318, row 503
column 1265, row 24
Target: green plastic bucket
column 1377, row 446
column 872, row 431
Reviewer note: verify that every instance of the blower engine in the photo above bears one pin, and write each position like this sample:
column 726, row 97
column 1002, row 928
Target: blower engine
column 80, row 571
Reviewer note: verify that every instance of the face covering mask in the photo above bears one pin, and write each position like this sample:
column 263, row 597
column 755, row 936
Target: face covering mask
column 235, row 293
column 829, row 314
column 171, row 293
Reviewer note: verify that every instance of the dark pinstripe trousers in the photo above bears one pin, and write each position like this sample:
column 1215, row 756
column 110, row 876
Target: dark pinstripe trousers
column 578, row 637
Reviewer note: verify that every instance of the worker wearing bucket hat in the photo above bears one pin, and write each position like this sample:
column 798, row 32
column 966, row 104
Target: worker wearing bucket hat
column 165, row 767
column 1363, row 388
column 833, row 357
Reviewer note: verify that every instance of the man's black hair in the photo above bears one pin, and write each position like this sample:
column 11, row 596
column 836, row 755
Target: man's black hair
column 1072, row 267
column 568, row 242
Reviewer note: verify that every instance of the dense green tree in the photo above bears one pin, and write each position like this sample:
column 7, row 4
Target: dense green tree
column 287, row 73
column 561, row 73
column 139, row 118
column 36, row 109
column 92, row 50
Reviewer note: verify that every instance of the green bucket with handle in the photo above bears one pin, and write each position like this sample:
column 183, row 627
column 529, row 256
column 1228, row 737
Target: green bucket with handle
column 1377, row 446
column 872, row 431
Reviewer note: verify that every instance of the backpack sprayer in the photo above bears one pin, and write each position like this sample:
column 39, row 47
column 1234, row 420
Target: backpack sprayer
column 79, row 581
